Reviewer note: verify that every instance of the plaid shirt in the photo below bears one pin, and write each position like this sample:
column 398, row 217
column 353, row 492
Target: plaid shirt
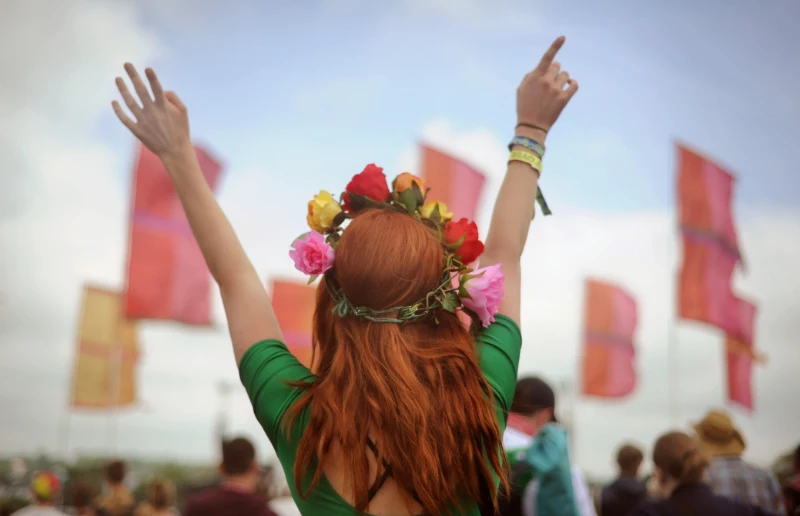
column 734, row 478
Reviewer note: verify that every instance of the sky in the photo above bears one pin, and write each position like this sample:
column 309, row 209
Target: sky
column 299, row 97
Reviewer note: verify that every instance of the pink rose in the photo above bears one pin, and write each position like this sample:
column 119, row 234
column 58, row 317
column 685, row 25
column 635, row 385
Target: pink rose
column 311, row 254
column 484, row 289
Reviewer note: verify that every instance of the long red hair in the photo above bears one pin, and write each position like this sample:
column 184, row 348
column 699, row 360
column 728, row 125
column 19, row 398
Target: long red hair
column 418, row 385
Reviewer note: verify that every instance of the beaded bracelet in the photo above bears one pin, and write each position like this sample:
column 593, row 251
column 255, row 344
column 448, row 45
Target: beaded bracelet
column 535, row 146
column 532, row 126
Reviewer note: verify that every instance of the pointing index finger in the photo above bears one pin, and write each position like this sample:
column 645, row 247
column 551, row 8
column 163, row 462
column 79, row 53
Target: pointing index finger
column 548, row 56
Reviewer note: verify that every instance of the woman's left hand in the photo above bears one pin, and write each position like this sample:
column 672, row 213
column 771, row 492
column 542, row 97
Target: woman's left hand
column 161, row 121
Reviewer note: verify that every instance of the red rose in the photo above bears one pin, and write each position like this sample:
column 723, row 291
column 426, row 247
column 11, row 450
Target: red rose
column 471, row 248
column 370, row 183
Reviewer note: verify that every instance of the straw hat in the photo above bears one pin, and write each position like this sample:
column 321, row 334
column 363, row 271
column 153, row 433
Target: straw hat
column 718, row 435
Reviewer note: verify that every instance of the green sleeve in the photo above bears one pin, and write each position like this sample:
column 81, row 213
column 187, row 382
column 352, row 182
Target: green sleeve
column 498, row 356
column 265, row 370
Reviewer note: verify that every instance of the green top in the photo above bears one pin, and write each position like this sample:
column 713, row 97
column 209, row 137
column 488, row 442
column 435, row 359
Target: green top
column 268, row 365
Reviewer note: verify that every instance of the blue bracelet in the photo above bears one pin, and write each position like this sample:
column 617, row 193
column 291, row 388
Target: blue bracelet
column 528, row 144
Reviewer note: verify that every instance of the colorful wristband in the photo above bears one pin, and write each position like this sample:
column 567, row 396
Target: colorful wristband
column 536, row 164
column 528, row 144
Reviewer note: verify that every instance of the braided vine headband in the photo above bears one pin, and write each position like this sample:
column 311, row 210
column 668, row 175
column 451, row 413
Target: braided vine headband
column 477, row 293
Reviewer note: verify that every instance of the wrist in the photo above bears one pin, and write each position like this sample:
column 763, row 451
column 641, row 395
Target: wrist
column 537, row 135
column 177, row 157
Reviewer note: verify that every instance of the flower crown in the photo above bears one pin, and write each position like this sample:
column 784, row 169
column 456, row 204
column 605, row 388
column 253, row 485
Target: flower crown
column 477, row 293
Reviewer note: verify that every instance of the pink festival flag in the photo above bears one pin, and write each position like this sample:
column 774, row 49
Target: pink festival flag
column 609, row 355
column 452, row 181
column 740, row 355
column 705, row 291
column 167, row 276
column 705, row 194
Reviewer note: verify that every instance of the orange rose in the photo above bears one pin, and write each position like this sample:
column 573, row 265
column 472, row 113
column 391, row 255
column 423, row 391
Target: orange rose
column 405, row 180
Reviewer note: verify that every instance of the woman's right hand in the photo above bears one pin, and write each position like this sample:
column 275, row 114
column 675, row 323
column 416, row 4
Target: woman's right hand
column 542, row 94
column 161, row 121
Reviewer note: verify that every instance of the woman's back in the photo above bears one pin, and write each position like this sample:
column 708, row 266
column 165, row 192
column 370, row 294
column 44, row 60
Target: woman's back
column 268, row 366
column 406, row 405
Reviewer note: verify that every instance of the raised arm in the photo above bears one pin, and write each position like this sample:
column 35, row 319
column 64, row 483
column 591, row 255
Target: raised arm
column 541, row 97
column 162, row 124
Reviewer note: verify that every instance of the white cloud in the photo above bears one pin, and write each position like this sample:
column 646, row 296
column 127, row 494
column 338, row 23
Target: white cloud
column 477, row 14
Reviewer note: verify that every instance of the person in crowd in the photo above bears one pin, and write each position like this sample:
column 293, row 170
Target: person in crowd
column 236, row 496
column 45, row 488
column 405, row 407
column 729, row 475
column 680, row 466
column 791, row 489
column 653, row 488
column 160, row 499
column 83, row 496
column 117, row 499
column 543, row 481
column 626, row 492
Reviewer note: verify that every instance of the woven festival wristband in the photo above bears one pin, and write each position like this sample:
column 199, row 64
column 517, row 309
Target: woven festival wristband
column 526, row 156
column 529, row 144
column 535, row 163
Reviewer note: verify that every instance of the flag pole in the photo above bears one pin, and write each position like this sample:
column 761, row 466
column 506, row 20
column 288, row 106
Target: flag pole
column 673, row 356
column 65, row 425
column 113, row 419
column 116, row 386
column 673, row 369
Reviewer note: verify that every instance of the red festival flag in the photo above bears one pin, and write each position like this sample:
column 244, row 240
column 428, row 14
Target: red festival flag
column 705, row 292
column 167, row 276
column 294, row 304
column 608, row 350
column 740, row 354
column 705, row 192
column 452, row 181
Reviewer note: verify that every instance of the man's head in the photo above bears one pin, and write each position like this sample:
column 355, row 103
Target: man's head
column 83, row 495
column 796, row 459
column 115, row 472
column 239, row 460
column 718, row 435
column 535, row 400
column 629, row 458
column 45, row 487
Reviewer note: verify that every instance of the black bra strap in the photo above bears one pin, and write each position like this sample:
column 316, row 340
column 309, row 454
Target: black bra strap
column 387, row 472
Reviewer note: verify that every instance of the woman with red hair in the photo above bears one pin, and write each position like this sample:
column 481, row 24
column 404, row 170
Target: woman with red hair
column 404, row 409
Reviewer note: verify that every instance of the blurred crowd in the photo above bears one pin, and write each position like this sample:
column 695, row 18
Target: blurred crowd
column 694, row 472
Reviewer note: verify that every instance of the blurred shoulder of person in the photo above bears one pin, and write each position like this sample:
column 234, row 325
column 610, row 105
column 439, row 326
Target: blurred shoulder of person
column 236, row 495
column 680, row 465
column 117, row 499
column 626, row 492
column 791, row 488
column 160, row 499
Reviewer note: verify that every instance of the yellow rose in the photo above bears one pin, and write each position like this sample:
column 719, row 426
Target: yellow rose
column 404, row 181
column 427, row 210
column 322, row 209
